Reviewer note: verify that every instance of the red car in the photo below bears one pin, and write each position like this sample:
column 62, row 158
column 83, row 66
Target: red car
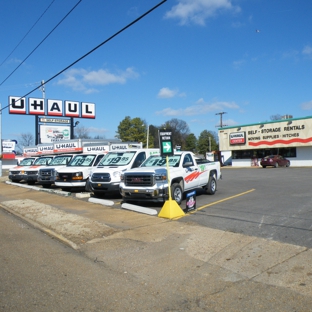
column 274, row 161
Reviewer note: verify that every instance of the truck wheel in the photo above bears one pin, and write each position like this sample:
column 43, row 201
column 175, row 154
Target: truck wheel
column 177, row 193
column 66, row 189
column 211, row 187
column 88, row 187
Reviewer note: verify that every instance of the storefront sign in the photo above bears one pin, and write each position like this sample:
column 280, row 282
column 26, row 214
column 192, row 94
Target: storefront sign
column 237, row 138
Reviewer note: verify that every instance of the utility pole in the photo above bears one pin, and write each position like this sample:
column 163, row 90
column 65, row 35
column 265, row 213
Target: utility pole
column 37, row 139
column 221, row 124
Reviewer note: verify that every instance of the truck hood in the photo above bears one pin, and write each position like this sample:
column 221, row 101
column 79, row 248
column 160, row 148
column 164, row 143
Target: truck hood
column 109, row 169
column 151, row 170
column 73, row 169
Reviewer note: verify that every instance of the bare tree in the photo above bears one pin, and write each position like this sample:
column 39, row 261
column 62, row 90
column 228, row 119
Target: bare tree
column 81, row 132
column 25, row 139
column 180, row 131
column 276, row 117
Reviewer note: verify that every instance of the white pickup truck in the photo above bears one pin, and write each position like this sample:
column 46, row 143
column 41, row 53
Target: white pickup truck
column 106, row 176
column 150, row 181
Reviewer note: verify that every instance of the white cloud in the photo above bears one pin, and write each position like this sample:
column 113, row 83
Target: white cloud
column 306, row 105
column 238, row 64
column 200, row 108
column 166, row 93
column 84, row 80
column 197, row 11
column 307, row 50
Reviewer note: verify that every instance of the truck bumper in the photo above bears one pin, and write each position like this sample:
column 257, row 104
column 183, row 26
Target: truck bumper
column 17, row 177
column 46, row 180
column 71, row 184
column 31, row 178
column 105, row 187
column 151, row 194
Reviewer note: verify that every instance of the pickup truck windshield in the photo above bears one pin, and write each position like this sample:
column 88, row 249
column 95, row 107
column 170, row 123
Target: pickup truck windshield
column 82, row 161
column 153, row 161
column 42, row 161
column 27, row 162
column 116, row 159
column 60, row 160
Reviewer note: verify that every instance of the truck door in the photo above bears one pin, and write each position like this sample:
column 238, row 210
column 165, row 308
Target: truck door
column 139, row 159
column 191, row 173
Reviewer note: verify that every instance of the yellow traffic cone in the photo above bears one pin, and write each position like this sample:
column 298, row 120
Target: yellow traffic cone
column 171, row 210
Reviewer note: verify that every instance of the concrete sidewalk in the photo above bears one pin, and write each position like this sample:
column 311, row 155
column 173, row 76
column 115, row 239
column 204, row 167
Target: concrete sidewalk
column 200, row 268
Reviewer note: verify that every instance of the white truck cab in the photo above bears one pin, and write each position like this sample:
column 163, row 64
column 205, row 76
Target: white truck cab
column 31, row 172
column 16, row 174
column 77, row 171
column 47, row 175
column 106, row 176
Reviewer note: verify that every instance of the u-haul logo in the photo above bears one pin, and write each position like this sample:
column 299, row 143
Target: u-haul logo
column 38, row 106
column 238, row 138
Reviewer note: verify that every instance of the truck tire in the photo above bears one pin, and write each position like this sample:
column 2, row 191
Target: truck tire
column 88, row 187
column 211, row 187
column 66, row 189
column 46, row 185
column 177, row 193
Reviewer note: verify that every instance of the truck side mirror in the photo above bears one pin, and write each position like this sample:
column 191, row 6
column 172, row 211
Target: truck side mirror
column 187, row 164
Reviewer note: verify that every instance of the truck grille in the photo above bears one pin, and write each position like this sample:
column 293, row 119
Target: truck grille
column 32, row 172
column 15, row 172
column 101, row 177
column 46, row 173
column 139, row 180
column 65, row 176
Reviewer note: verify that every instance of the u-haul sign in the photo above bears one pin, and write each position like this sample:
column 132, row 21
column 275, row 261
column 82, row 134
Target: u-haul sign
column 38, row 106
column 237, row 138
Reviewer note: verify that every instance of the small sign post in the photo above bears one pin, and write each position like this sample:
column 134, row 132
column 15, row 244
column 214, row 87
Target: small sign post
column 190, row 201
column 165, row 142
column 170, row 209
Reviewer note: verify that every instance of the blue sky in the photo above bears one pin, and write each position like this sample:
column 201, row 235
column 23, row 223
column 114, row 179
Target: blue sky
column 188, row 59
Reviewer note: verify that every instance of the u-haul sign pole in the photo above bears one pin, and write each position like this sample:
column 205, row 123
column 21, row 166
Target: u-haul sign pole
column 42, row 107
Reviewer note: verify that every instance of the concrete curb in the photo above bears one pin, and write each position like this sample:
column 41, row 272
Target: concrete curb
column 103, row 202
column 43, row 229
column 39, row 188
column 140, row 209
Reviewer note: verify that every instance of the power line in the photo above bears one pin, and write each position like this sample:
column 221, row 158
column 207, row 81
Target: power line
column 27, row 33
column 40, row 43
column 91, row 51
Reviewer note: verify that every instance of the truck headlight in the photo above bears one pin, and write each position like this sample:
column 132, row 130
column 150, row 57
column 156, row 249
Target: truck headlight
column 77, row 176
column 117, row 174
column 160, row 177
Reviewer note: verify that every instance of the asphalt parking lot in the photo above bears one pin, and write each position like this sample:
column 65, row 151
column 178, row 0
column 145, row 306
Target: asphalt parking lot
column 271, row 203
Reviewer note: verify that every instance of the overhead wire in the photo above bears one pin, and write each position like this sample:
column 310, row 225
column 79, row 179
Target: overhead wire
column 91, row 51
column 27, row 33
column 40, row 43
